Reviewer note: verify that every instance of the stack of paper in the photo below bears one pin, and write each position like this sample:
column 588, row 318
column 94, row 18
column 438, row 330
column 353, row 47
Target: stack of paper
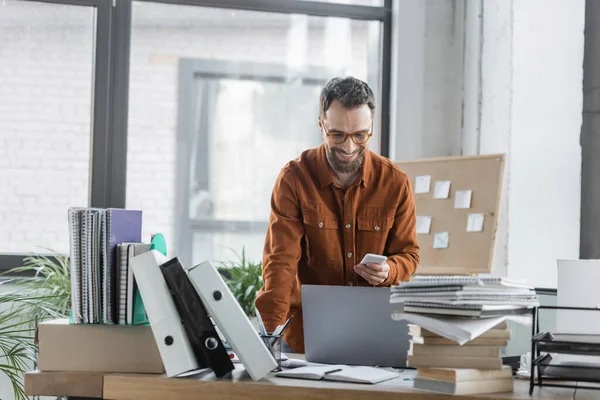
column 466, row 296
column 95, row 285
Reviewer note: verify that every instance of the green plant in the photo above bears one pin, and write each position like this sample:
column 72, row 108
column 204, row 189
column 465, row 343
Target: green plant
column 244, row 278
column 45, row 295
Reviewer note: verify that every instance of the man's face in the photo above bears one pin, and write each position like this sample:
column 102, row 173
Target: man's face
column 345, row 157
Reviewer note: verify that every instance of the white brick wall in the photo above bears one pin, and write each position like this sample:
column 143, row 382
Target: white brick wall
column 45, row 105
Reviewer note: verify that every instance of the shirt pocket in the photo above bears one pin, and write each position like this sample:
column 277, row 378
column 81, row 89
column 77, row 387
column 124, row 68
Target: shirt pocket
column 372, row 234
column 323, row 244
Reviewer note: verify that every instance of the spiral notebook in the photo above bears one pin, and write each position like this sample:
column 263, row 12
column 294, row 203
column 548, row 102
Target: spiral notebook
column 421, row 281
column 94, row 234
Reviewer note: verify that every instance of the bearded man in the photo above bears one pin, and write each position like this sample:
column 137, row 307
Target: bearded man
column 331, row 206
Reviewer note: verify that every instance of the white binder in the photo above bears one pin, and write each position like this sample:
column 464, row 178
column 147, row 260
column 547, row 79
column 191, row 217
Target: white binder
column 231, row 320
column 172, row 342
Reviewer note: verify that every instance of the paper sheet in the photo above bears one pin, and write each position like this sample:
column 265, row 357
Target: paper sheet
column 423, row 224
column 462, row 199
column 475, row 222
column 422, row 184
column 459, row 329
column 440, row 240
column 441, row 190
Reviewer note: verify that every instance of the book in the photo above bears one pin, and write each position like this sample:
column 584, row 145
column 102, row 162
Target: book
column 464, row 374
column 340, row 373
column 435, row 361
column 454, row 350
column 465, row 387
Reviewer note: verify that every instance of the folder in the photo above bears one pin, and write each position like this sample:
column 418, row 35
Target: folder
column 203, row 336
column 171, row 339
column 231, row 320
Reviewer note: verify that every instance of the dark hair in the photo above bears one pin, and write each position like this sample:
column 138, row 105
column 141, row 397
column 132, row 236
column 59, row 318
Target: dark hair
column 349, row 91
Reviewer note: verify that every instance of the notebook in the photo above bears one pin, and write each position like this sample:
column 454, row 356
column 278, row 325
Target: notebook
column 464, row 280
column 75, row 260
column 340, row 373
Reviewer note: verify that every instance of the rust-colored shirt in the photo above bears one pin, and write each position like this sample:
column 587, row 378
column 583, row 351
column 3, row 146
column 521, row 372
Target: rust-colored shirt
column 318, row 231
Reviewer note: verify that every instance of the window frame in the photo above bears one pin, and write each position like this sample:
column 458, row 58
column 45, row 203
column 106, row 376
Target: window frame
column 110, row 103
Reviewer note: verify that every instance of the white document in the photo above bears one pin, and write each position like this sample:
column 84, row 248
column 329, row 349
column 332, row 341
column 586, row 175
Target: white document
column 475, row 222
column 340, row 373
column 231, row 320
column 440, row 240
column 423, row 224
column 441, row 190
column 173, row 344
column 461, row 330
column 462, row 199
column 422, row 184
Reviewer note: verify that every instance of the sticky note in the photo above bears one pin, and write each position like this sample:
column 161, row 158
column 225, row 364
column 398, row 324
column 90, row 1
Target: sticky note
column 441, row 190
column 422, row 184
column 462, row 199
column 423, row 224
column 440, row 240
column 475, row 222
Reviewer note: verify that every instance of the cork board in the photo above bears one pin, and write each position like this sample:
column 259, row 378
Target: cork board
column 456, row 242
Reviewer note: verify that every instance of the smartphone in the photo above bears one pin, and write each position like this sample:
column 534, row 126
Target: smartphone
column 373, row 258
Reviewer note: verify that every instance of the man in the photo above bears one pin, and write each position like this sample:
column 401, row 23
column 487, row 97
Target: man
column 330, row 207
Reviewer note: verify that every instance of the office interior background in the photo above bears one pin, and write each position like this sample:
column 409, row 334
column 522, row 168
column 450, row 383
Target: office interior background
column 187, row 110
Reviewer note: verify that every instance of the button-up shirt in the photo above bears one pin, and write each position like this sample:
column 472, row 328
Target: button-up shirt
column 318, row 231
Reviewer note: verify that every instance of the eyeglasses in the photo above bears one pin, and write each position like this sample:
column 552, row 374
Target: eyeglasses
column 361, row 137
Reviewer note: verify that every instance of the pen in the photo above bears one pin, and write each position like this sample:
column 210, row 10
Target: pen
column 261, row 325
column 332, row 371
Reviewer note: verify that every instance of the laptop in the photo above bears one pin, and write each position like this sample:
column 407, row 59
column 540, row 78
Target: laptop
column 352, row 325
column 577, row 286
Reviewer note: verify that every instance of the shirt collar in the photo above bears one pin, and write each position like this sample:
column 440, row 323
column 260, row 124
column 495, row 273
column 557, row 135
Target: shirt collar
column 326, row 174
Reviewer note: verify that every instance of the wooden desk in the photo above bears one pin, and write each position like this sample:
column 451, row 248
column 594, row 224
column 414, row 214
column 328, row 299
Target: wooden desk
column 240, row 386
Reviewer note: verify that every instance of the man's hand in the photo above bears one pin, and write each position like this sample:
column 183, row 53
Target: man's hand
column 373, row 273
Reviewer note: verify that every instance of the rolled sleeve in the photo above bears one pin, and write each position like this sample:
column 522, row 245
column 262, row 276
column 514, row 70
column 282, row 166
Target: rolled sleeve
column 402, row 246
column 282, row 252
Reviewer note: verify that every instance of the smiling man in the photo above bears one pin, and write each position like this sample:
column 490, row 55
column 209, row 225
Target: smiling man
column 330, row 207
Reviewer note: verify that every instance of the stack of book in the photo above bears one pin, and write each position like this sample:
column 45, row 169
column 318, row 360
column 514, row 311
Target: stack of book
column 428, row 349
column 464, row 381
column 458, row 326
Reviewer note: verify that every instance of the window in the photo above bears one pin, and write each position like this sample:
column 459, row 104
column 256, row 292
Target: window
column 219, row 102
column 133, row 104
column 46, row 76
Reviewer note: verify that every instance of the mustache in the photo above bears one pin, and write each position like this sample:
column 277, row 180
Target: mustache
column 358, row 151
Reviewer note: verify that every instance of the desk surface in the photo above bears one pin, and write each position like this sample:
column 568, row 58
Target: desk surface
column 240, row 386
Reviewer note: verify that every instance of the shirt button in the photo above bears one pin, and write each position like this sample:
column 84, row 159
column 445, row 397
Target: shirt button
column 348, row 226
column 349, row 255
column 377, row 227
column 320, row 224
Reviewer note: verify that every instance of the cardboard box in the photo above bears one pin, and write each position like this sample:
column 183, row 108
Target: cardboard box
column 97, row 348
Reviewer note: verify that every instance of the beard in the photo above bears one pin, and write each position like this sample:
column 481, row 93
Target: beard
column 344, row 167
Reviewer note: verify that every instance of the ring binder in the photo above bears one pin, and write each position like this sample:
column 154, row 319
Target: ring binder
column 204, row 339
column 231, row 320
